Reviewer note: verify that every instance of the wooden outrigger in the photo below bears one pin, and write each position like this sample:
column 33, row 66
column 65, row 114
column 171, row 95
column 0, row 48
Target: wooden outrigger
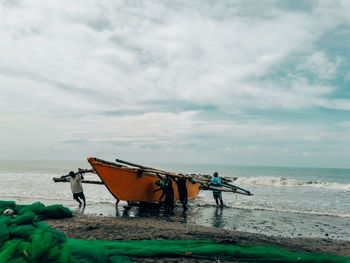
column 137, row 183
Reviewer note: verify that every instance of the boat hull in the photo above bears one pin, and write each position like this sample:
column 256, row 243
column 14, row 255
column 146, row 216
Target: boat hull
column 126, row 183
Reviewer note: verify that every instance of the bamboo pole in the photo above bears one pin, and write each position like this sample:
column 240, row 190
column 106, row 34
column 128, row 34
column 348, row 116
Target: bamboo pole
column 64, row 180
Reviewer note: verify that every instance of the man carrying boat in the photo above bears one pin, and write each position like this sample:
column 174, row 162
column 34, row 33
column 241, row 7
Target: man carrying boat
column 169, row 194
column 182, row 189
column 216, row 182
column 76, row 186
column 161, row 185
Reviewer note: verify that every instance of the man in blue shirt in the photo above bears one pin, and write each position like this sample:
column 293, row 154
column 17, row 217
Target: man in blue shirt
column 216, row 182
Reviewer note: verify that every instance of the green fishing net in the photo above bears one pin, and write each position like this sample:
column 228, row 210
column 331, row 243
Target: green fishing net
column 25, row 238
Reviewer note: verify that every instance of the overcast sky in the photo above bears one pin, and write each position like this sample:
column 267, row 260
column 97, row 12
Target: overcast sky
column 201, row 81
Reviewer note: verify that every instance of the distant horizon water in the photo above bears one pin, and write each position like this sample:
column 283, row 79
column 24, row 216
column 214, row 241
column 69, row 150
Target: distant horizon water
column 169, row 163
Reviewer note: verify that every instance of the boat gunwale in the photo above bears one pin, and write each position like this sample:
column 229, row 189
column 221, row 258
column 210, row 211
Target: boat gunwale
column 152, row 173
column 147, row 171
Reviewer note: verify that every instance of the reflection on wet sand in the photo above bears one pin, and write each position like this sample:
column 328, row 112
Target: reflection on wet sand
column 80, row 210
column 126, row 211
column 156, row 211
column 274, row 223
column 217, row 217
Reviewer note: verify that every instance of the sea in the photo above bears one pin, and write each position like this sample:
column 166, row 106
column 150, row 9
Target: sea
column 286, row 201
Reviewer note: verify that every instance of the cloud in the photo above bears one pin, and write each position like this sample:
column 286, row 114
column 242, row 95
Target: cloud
column 188, row 55
column 151, row 50
column 337, row 104
column 320, row 65
column 158, row 74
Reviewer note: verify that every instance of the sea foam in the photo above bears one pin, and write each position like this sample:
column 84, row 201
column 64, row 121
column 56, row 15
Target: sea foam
column 282, row 181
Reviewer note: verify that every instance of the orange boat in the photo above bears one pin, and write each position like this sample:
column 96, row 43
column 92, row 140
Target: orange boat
column 138, row 183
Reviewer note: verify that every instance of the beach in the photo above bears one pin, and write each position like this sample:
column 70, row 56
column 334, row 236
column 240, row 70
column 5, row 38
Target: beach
column 126, row 228
column 296, row 209
column 154, row 239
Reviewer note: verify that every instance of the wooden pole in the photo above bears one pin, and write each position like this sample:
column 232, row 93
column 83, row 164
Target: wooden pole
column 63, row 180
column 236, row 187
column 80, row 171
column 138, row 165
column 226, row 189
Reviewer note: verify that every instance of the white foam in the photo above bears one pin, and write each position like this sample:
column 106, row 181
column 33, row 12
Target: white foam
column 257, row 207
column 276, row 209
column 281, row 181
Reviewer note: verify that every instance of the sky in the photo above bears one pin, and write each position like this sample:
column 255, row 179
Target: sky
column 236, row 82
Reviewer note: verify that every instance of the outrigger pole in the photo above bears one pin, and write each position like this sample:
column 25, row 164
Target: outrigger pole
column 225, row 181
column 150, row 169
column 136, row 165
column 246, row 192
column 80, row 171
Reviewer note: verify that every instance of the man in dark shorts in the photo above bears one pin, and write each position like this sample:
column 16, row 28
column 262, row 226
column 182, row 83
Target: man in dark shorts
column 169, row 194
column 182, row 189
column 216, row 182
column 77, row 187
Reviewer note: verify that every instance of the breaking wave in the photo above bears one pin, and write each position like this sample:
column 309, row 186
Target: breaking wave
column 281, row 181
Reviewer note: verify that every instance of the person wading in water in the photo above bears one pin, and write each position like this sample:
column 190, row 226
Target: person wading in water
column 216, row 182
column 182, row 188
column 169, row 194
column 76, row 186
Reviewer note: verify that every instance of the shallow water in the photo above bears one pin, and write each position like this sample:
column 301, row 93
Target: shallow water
column 289, row 202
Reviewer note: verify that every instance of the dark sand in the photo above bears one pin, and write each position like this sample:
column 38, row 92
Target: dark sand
column 128, row 228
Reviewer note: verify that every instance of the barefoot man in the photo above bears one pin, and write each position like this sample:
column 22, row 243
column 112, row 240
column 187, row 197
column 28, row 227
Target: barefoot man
column 76, row 187
column 216, row 182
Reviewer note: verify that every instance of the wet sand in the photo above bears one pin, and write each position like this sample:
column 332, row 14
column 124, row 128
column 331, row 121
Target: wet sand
column 129, row 228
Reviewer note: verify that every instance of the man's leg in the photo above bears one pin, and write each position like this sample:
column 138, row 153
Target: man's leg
column 82, row 196
column 75, row 197
column 184, row 204
column 216, row 198
column 220, row 197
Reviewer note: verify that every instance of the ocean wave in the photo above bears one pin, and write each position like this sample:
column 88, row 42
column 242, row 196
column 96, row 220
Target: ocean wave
column 281, row 181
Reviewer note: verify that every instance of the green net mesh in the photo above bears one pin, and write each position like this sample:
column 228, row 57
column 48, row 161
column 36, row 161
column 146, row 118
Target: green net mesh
column 24, row 238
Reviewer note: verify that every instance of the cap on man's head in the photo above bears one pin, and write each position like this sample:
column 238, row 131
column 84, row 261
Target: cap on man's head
column 216, row 174
column 71, row 173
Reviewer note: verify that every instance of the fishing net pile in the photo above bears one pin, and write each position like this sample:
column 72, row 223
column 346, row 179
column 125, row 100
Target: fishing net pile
column 25, row 238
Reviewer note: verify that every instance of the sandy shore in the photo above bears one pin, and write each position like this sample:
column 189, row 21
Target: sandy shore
column 119, row 228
